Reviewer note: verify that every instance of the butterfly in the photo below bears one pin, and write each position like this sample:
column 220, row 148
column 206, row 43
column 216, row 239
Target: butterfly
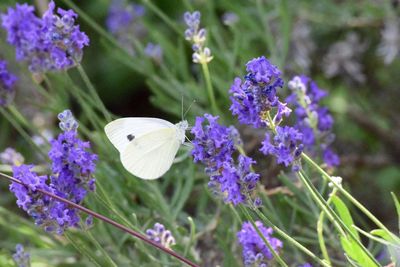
column 147, row 146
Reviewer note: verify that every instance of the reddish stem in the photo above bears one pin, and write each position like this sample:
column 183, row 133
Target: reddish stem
column 107, row 220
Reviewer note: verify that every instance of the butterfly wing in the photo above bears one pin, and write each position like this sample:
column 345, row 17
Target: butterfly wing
column 122, row 131
column 150, row 155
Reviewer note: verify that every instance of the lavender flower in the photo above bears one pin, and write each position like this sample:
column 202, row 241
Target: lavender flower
column 67, row 121
column 63, row 39
column 37, row 205
column 123, row 22
column 313, row 121
column 229, row 18
column 286, row 146
column 255, row 252
column 21, row 258
column 306, row 265
column 49, row 43
column 389, row 47
column 11, row 157
column 256, row 96
column 302, row 45
column 197, row 36
column 7, row 82
column 122, row 16
column 160, row 235
column 214, row 146
column 72, row 170
column 343, row 58
column 155, row 52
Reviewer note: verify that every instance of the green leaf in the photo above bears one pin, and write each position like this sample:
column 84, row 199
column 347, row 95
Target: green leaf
column 344, row 214
column 397, row 204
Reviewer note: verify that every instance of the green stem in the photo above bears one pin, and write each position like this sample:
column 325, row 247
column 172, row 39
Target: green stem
column 94, row 119
column 15, row 112
column 164, row 17
column 336, row 220
column 320, row 202
column 82, row 249
column 210, row 89
column 290, row 239
column 22, row 132
column 320, row 229
column 347, row 194
column 271, row 123
column 93, row 92
column 100, row 248
column 271, row 249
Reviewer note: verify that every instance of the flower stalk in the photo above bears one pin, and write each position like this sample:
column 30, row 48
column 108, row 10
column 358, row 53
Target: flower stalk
column 107, row 220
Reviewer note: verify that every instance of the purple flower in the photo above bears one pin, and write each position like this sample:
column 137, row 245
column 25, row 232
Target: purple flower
column 154, row 51
column 229, row 18
column 286, row 146
column 312, row 120
column 160, row 235
column 121, row 16
column 7, row 82
column 72, row 177
column 11, row 157
column 49, row 43
column 214, row 146
column 256, row 95
column 124, row 22
column 255, row 252
column 21, row 258
column 67, row 121
column 197, row 36
column 305, row 265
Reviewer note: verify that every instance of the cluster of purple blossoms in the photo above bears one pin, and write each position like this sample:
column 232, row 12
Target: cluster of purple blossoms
column 160, row 235
column 255, row 252
column 123, row 22
column 254, row 97
column 313, row 121
column 197, row 36
column 72, row 177
column 49, row 43
column 252, row 101
column 214, row 146
column 286, row 146
column 21, row 258
column 7, row 82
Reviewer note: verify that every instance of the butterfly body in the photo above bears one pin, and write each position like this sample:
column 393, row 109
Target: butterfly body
column 147, row 146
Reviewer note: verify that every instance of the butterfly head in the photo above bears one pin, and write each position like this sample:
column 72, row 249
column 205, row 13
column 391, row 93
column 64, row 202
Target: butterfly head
column 181, row 129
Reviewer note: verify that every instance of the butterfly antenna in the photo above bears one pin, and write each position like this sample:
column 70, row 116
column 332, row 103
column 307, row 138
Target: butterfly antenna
column 182, row 108
column 194, row 101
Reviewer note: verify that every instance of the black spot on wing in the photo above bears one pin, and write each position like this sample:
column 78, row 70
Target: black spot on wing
column 130, row 137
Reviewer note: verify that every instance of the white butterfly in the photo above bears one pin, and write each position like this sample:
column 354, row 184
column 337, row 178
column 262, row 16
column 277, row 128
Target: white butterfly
column 147, row 146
